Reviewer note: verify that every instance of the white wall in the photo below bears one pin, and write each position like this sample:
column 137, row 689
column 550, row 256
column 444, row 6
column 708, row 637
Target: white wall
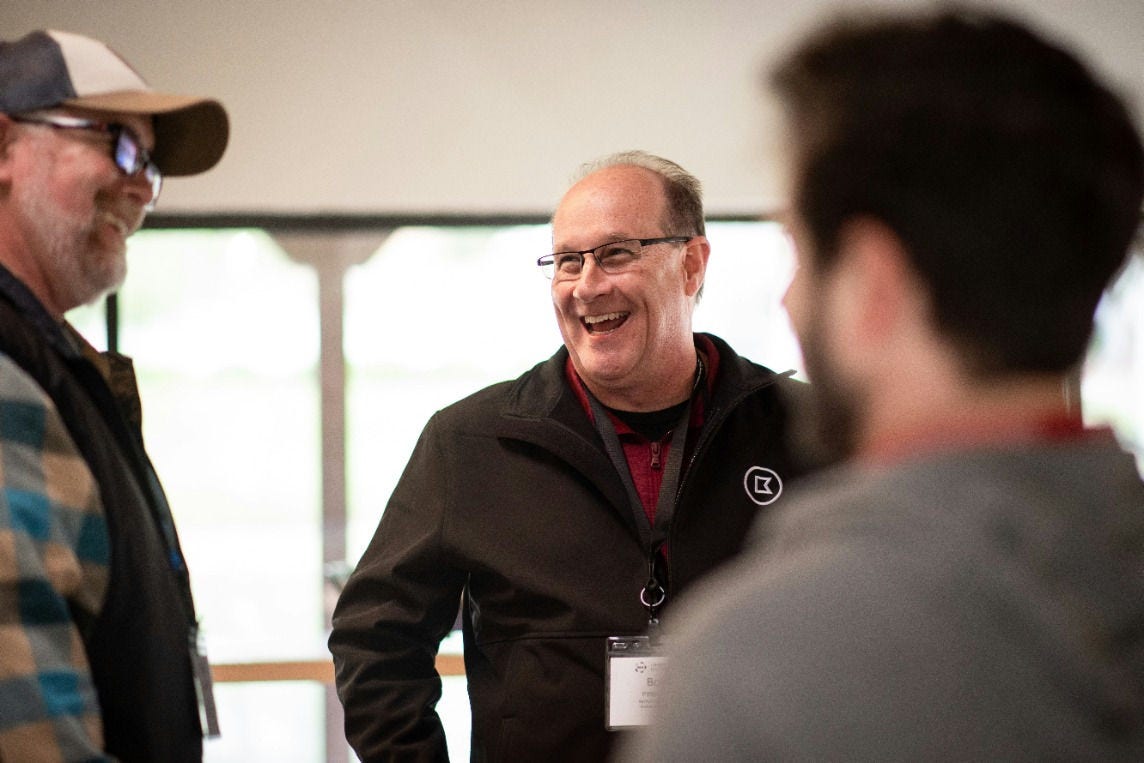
column 392, row 106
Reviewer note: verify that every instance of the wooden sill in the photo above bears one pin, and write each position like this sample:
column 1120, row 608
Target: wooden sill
column 321, row 671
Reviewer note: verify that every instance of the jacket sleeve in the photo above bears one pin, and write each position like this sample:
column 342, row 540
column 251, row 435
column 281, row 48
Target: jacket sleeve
column 53, row 568
column 398, row 604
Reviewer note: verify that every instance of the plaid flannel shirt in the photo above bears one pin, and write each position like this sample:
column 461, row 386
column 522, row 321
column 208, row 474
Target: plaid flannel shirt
column 54, row 556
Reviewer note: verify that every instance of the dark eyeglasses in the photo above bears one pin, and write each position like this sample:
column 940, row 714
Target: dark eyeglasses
column 613, row 257
column 126, row 148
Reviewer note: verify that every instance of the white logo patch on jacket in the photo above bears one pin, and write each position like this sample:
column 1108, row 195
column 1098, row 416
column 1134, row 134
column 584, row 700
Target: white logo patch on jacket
column 763, row 485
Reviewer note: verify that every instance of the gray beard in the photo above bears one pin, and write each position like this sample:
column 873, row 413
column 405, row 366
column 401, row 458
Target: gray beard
column 78, row 270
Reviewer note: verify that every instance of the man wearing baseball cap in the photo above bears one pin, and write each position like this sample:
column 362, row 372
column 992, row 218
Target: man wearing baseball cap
column 98, row 637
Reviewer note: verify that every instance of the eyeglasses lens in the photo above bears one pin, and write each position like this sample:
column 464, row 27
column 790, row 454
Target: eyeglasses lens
column 131, row 157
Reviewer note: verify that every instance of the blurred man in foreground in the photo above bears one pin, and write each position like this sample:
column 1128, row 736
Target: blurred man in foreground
column 970, row 585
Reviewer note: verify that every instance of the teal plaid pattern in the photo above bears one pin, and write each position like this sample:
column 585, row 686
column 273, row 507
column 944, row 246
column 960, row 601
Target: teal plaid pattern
column 54, row 555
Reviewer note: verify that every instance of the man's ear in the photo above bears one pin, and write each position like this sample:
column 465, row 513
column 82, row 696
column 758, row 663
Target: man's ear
column 695, row 255
column 879, row 292
column 7, row 138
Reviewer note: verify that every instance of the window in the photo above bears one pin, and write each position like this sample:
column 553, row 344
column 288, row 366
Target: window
column 438, row 313
column 223, row 329
column 1113, row 375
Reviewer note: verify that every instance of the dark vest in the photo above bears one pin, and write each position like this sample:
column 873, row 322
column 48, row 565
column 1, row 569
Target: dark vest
column 138, row 644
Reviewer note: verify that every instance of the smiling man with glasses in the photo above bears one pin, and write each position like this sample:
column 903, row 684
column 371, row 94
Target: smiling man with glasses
column 568, row 508
column 99, row 653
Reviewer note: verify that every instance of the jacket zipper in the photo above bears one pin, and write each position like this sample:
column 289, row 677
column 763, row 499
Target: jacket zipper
column 714, row 422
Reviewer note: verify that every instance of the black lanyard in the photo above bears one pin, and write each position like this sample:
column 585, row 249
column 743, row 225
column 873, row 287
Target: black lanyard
column 654, row 535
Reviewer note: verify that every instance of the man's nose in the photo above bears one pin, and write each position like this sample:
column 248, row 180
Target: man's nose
column 592, row 280
column 138, row 187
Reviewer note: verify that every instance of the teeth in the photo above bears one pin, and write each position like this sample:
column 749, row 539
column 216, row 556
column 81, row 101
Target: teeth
column 594, row 319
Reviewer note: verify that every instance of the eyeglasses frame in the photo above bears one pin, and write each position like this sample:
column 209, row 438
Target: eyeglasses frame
column 143, row 163
column 549, row 259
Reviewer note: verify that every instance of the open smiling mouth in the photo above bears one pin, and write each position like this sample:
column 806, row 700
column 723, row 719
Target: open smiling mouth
column 603, row 324
column 123, row 223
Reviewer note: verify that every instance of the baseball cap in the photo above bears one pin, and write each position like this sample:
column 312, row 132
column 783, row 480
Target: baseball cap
column 48, row 68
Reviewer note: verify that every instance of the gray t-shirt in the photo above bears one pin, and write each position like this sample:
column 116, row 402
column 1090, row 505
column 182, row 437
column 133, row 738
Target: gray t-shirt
column 984, row 605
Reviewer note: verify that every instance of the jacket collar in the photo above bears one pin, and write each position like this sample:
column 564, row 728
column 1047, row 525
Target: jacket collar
column 22, row 298
column 542, row 409
column 544, row 393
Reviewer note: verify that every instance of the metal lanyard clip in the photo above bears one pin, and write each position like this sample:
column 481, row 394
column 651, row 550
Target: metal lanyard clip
column 653, row 594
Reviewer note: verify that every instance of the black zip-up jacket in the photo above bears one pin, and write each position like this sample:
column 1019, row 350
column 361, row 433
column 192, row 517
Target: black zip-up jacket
column 510, row 502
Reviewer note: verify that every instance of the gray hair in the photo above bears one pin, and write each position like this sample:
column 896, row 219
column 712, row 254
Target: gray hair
column 683, row 191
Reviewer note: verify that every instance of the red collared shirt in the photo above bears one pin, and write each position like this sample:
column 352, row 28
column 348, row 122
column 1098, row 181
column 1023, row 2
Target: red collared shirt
column 645, row 457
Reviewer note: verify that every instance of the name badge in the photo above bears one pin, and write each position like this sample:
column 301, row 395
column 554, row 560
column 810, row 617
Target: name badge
column 632, row 677
column 204, row 686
